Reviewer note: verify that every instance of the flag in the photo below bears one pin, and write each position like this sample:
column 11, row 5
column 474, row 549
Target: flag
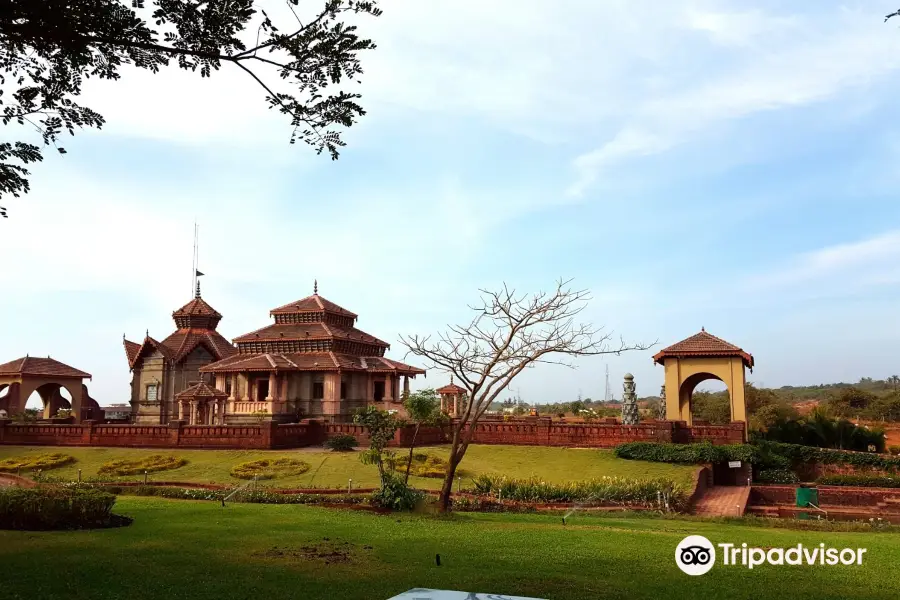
column 198, row 273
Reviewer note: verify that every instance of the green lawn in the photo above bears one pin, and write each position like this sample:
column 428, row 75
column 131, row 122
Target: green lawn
column 199, row 550
column 333, row 469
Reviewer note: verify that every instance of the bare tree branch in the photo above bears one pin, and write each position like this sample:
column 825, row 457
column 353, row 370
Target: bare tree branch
column 508, row 334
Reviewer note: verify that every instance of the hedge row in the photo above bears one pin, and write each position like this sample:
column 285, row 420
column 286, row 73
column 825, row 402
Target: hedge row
column 810, row 454
column 606, row 490
column 250, row 496
column 688, row 454
column 46, row 508
column 881, row 481
column 764, row 454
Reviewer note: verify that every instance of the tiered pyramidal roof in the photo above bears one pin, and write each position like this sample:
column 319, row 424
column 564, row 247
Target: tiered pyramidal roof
column 196, row 322
column 311, row 334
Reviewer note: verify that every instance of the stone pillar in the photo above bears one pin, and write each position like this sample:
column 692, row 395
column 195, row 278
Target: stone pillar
column 406, row 386
column 245, row 380
column 220, row 382
column 273, row 387
column 443, row 401
column 455, row 405
column 75, row 392
column 193, row 420
column 331, row 403
column 234, row 384
column 630, row 415
column 388, row 388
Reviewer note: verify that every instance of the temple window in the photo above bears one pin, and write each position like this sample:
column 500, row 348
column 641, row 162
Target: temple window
column 344, row 385
column 379, row 391
column 318, row 391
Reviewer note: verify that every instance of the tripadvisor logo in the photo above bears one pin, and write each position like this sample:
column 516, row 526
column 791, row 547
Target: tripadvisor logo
column 696, row 555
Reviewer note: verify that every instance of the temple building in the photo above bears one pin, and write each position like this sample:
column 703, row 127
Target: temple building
column 162, row 370
column 311, row 362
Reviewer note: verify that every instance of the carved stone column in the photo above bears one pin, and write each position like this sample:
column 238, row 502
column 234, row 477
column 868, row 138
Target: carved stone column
column 273, row 387
column 234, row 384
column 193, row 420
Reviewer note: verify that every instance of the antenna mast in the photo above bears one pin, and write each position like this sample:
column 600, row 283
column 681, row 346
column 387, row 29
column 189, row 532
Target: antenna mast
column 607, row 394
column 194, row 259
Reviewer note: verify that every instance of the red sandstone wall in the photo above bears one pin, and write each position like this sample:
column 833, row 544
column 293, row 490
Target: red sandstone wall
column 529, row 431
column 828, row 495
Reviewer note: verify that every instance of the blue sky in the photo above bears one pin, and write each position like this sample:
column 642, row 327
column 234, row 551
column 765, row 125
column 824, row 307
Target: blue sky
column 700, row 164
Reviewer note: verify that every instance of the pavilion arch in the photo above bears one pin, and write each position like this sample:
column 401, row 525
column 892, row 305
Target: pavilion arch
column 46, row 376
column 700, row 358
column 53, row 397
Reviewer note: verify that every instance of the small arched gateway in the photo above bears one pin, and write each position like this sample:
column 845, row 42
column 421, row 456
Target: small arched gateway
column 22, row 377
column 697, row 359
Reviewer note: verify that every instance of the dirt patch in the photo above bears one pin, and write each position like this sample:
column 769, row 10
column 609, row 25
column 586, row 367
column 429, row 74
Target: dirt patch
column 327, row 551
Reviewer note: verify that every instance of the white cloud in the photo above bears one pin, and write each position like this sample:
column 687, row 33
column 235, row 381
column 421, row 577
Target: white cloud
column 822, row 57
column 871, row 261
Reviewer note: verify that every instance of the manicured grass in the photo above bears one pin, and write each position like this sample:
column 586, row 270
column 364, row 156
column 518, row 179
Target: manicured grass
column 333, row 469
column 199, row 550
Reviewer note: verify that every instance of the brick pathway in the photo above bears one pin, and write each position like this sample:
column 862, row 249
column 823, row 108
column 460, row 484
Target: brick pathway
column 723, row 501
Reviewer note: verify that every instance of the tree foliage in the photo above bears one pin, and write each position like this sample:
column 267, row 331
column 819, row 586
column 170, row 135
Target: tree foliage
column 48, row 48
column 423, row 408
column 381, row 426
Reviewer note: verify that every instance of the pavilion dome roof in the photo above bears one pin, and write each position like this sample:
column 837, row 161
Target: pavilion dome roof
column 197, row 314
column 201, row 390
column 451, row 388
column 40, row 367
column 703, row 345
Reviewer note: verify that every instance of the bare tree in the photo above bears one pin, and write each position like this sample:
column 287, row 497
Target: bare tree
column 508, row 334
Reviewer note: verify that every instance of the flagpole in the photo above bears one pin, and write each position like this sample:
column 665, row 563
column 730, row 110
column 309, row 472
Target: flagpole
column 194, row 261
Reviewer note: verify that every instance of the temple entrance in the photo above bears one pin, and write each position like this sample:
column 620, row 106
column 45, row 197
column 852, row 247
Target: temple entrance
column 700, row 358
column 379, row 391
column 262, row 390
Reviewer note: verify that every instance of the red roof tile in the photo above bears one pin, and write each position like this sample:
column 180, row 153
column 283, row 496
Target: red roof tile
column 197, row 306
column 131, row 350
column 184, row 341
column 703, row 344
column 40, row 367
column 451, row 388
column 309, row 361
column 314, row 303
column 201, row 390
column 310, row 331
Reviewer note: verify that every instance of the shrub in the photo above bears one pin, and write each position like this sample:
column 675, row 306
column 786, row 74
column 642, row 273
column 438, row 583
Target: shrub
column 394, row 494
column 690, row 454
column 38, row 461
column 776, row 476
column 884, row 481
column 423, row 465
column 343, row 442
column 151, row 464
column 798, row 455
column 606, row 490
column 270, row 468
column 44, row 508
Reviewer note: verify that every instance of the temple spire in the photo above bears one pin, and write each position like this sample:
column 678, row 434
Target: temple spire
column 197, row 295
column 316, row 287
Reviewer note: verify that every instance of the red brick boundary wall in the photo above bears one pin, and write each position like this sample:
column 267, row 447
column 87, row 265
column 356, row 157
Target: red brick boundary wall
column 534, row 431
column 829, row 496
